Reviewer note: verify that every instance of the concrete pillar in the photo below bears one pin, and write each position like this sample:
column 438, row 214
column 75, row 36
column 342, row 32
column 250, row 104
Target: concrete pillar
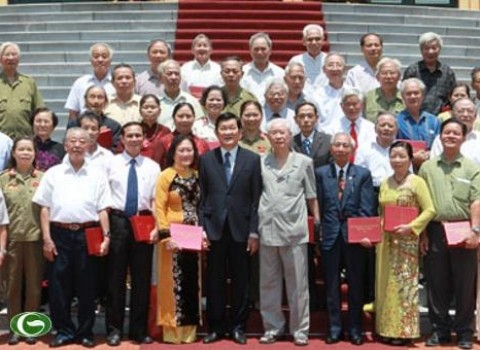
column 469, row 5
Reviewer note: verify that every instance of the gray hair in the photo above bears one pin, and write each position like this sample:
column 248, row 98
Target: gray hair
column 76, row 130
column 341, row 133
column 164, row 42
column 199, row 37
column 349, row 92
column 388, row 60
column 275, row 82
column 105, row 46
column 417, row 81
column 8, row 44
column 428, row 37
column 333, row 53
column 309, row 27
column 162, row 66
column 389, row 114
column 278, row 122
column 260, row 35
column 292, row 65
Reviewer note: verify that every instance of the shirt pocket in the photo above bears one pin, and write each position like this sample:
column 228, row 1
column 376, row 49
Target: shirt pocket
column 461, row 188
column 3, row 105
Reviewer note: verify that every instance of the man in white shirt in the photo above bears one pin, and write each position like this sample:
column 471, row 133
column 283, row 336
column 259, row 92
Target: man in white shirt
column 257, row 73
column 363, row 75
column 148, row 82
column 73, row 196
column 201, row 72
column 276, row 93
column 132, row 178
column 313, row 58
column 172, row 94
column 101, row 55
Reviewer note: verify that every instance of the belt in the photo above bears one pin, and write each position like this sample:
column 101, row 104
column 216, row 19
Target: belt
column 74, row 226
column 122, row 213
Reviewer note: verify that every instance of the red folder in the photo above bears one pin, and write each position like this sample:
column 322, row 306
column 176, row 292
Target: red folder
column 142, row 225
column 360, row 228
column 396, row 215
column 196, row 91
column 105, row 138
column 311, row 230
column 94, row 238
column 417, row 145
column 187, row 237
column 213, row 144
column 456, row 232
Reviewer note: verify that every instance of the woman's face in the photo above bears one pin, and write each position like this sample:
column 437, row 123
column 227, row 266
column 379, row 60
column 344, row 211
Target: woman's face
column 183, row 120
column 458, row 93
column 150, row 110
column 214, row 103
column 251, row 118
column 43, row 125
column 184, row 154
column 96, row 100
column 399, row 160
column 24, row 153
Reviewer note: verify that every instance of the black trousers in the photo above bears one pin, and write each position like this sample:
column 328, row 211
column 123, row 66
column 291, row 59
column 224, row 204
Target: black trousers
column 227, row 255
column 127, row 255
column 451, row 273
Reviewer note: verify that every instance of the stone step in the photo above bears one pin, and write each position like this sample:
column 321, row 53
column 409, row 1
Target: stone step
column 77, row 68
column 73, row 57
column 93, row 36
column 97, row 6
column 80, row 46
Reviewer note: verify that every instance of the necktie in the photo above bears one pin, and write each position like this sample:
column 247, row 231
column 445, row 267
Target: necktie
column 307, row 146
column 228, row 167
column 276, row 115
column 341, row 184
column 353, row 134
column 131, row 205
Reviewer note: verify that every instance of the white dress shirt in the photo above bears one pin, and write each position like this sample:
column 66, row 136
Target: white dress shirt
column 365, row 130
column 328, row 101
column 73, row 196
column 196, row 75
column 313, row 68
column 147, row 174
column 285, row 113
column 205, row 129
column 76, row 96
column 362, row 77
column 4, row 220
column 470, row 148
column 376, row 159
column 255, row 80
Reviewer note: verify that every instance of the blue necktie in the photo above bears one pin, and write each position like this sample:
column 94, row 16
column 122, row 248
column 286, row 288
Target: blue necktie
column 131, row 205
column 228, row 167
column 307, row 146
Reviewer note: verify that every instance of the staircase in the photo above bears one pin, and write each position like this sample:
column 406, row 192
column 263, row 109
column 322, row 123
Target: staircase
column 231, row 23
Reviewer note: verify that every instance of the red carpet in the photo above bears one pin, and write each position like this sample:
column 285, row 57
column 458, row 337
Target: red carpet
column 231, row 23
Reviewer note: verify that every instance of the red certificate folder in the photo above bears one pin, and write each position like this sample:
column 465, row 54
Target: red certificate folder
column 196, row 91
column 142, row 225
column 396, row 215
column 94, row 238
column 417, row 145
column 311, row 230
column 187, row 237
column 360, row 228
column 456, row 232
column 105, row 138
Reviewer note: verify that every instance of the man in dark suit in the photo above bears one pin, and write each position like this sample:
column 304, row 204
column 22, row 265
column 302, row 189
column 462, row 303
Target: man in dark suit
column 230, row 184
column 344, row 190
column 316, row 145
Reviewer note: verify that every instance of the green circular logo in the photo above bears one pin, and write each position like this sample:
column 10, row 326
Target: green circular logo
column 30, row 324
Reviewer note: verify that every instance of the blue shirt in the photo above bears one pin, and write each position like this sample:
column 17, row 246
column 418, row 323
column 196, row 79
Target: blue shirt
column 6, row 144
column 427, row 128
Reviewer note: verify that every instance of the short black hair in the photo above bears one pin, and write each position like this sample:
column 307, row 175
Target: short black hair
column 122, row 65
column 364, row 36
column 41, row 110
column 226, row 116
column 90, row 116
column 454, row 121
column 129, row 124
column 203, row 99
column 178, row 139
column 306, row 103
column 402, row 144
column 248, row 103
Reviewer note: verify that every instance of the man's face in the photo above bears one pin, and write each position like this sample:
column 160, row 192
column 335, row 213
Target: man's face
column 295, row 80
column 279, row 136
column 10, row 58
column 276, row 98
column 124, row 80
column 452, row 137
column 157, row 54
column 228, row 134
column 132, row 139
column 100, row 60
column 386, row 128
column 341, row 149
column 232, row 73
column 372, row 48
column 202, row 50
column 76, row 146
column 476, row 83
column 388, row 76
column 96, row 99
column 260, row 51
column 412, row 96
column 171, row 77
column 430, row 52
column 334, row 67
column 352, row 107
column 465, row 111
column 313, row 42
column 91, row 127
column 306, row 119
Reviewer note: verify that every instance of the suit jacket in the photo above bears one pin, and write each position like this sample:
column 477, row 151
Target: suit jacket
column 235, row 204
column 320, row 148
column 358, row 200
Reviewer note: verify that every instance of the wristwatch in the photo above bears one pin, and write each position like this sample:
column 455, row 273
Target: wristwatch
column 476, row 229
column 106, row 234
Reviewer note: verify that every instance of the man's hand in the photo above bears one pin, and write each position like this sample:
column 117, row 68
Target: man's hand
column 471, row 242
column 104, row 247
column 252, row 245
column 49, row 250
column 423, row 243
column 153, row 236
column 366, row 243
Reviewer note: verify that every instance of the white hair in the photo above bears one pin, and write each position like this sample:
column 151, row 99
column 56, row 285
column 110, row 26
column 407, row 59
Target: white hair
column 417, row 81
column 292, row 65
column 349, row 92
column 388, row 60
column 425, row 38
column 275, row 82
column 309, row 27
column 281, row 122
column 105, row 46
column 8, row 44
column 162, row 66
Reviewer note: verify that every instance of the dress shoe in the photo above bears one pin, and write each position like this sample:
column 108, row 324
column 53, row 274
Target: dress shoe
column 212, row 337
column 270, row 338
column 465, row 341
column 60, row 341
column 114, row 339
column 399, row 341
column 300, row 341
column 143, row 340
column 437, row 339
column 239, row 337
column 332, row 339
column 14, row 339
column 356, row 340
column 87, row 343
column 31, row 340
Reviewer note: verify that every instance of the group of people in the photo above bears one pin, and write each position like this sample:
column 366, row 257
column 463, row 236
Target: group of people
column 271, row 163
